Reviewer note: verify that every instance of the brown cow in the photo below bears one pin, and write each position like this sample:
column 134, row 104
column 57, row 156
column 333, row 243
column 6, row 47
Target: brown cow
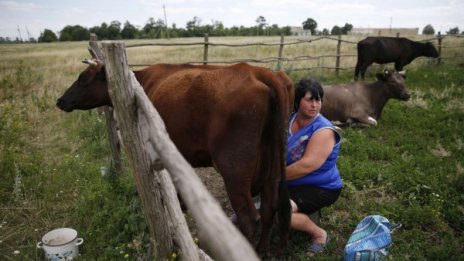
column 230, row 117
column 363, row 102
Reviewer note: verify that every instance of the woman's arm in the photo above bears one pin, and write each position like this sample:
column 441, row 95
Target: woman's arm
column 316, row 153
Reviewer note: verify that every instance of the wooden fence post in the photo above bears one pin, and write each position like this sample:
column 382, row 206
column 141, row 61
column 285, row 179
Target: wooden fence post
column 147, row 184
column 111, row 126
column 205, row 52
column 337, row 61
column 281, row 48
column 440, row 39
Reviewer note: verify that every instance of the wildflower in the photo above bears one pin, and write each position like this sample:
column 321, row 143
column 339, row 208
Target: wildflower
column 16, row 252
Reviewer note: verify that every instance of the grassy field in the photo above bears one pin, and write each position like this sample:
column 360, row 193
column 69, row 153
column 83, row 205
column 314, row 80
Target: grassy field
column 410, row 168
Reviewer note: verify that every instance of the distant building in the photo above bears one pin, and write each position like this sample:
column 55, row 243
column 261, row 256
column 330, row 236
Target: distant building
column 299, row 31
column 384, row 31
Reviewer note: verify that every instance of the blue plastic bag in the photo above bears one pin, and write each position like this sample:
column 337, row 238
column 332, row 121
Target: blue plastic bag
column 370, row 240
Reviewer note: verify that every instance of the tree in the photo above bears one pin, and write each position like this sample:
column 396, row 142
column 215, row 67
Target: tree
column 261, row 23
column 346, row 28
column 310, row 24
column 74, row 33
column 219, row 29
column 325, row 31
column 193, row 27
column 336, row 30
column 101, row 31
column 114, row 30
column 48, row 36
column 428, row 29
column 454, row 30
column 128, row 31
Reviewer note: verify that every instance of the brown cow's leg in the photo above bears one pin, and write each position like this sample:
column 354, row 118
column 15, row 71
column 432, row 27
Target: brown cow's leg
column 241, row 201
column 267, row 210
column 236, row 162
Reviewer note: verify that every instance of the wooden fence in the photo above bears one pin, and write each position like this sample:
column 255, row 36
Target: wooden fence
column 280, row 58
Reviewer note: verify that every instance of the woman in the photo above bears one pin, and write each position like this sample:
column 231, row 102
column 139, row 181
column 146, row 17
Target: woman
column 312, row 176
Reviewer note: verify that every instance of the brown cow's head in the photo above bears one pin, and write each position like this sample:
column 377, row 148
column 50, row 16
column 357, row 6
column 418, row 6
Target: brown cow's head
column 395, row 82
column 89, row 91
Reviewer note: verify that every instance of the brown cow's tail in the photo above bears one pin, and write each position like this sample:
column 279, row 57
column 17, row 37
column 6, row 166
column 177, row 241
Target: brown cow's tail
column 277, row 126
column 284, row 212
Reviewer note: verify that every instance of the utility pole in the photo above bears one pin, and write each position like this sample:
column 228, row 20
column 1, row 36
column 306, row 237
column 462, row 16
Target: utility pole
column 166, row 21
column 19, row 32
column 28, row 35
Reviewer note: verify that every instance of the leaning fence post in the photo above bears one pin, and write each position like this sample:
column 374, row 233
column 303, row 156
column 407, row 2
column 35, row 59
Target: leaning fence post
column 337, row 61
column 440, row 38
column 147, row 184
column 281, row 48
column 111, row 126
column 205, row 53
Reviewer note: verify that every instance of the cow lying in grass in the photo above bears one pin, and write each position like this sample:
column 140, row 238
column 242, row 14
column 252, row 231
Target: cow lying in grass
column 362, row 103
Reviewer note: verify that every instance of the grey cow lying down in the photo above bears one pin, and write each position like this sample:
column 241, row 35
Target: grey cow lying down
column 362, row 103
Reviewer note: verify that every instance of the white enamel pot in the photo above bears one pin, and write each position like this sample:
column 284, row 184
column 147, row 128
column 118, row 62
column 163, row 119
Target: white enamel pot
column 61, row 244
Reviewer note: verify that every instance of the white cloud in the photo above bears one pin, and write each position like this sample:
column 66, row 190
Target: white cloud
column 19, row 6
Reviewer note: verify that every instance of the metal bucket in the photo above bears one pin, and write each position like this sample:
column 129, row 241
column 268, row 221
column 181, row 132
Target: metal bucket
column 61, row 244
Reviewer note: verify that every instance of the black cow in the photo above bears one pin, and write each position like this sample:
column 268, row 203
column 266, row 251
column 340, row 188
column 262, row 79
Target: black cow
column 381, row 50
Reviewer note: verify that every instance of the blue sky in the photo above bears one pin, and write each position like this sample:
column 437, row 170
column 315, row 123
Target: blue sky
column 34, row 16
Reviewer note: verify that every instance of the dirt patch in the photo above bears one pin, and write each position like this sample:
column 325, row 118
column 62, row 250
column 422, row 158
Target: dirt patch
column 213, row 181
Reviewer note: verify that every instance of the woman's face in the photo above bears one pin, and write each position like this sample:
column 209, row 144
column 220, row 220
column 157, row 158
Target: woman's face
column 309, row 106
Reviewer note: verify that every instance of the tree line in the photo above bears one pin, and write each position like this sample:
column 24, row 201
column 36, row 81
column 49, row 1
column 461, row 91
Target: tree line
column 157, row 29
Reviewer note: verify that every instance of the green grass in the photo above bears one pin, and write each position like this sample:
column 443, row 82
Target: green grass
column 410, row 168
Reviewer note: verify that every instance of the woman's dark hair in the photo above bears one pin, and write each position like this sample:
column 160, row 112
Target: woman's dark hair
column 305, row 85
